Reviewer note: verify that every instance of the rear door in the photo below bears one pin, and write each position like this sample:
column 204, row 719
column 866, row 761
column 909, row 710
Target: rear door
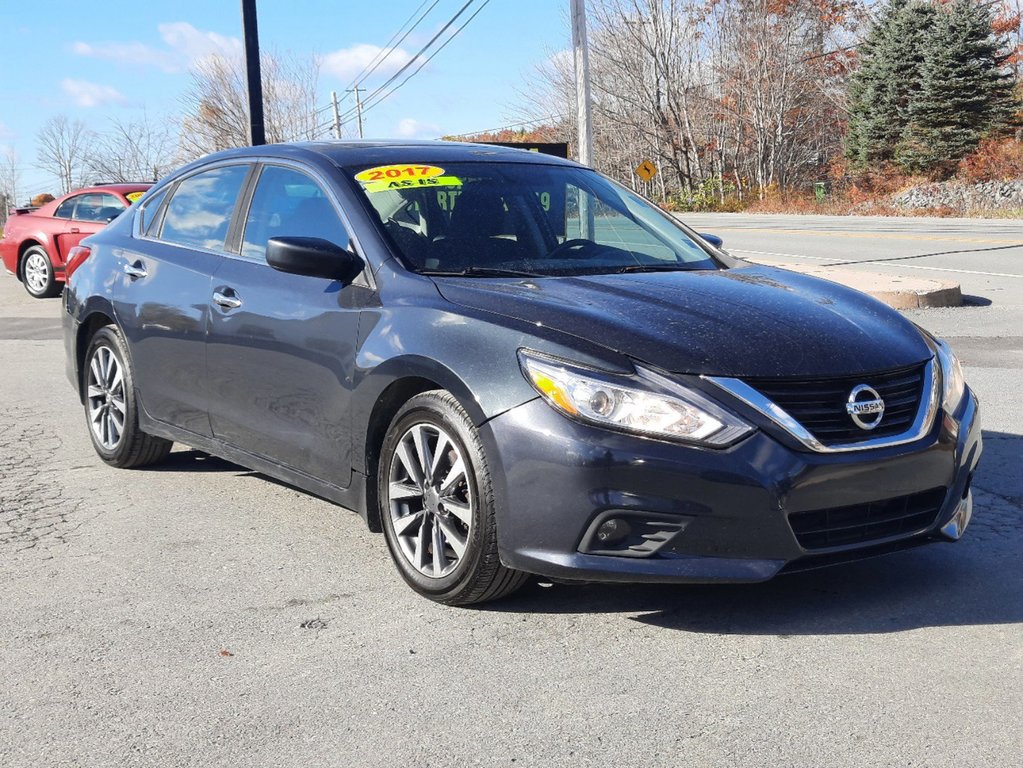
column 282, row 347
column 162, row 291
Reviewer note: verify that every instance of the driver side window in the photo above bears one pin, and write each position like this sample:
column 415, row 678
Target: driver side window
column 288, row 203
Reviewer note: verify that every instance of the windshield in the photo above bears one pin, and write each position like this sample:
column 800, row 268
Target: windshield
column 493, row 219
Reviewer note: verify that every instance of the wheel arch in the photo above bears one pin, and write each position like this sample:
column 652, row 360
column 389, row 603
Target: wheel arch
column 96, row 318
column 29, row 242
column 385, row 391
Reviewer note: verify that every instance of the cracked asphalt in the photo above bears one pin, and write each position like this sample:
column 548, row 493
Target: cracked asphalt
column 198, row 614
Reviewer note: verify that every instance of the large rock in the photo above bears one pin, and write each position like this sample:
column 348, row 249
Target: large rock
column 963, row 197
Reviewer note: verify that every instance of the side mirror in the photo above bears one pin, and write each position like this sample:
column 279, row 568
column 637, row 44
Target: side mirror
column 714, row 240
column 313, row 257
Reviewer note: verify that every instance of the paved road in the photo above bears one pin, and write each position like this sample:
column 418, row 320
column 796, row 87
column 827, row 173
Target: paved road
column 198, row 614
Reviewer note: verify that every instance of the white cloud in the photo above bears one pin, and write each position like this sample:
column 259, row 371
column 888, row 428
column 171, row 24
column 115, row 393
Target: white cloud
column 190, row 43
column 86, row 94
column 410, row 128
column 184, row 45
column 132, row 54
column 346, row 63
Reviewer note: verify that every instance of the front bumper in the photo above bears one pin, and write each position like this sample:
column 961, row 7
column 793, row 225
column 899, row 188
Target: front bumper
column 711, row 515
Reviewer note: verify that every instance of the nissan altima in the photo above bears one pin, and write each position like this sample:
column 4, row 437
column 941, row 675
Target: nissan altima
column 511, row 365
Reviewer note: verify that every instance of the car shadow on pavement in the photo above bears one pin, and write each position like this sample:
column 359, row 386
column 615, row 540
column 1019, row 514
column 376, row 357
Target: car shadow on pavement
column 977, row 581
column 194, row 461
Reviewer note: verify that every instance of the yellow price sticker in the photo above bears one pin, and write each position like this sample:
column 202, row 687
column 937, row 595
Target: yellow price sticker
column 432, row 181
column 131, row 197
column 395, row 172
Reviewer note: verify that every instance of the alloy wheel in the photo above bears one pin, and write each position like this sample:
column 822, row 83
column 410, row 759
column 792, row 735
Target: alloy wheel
column 106, row 402
column 430, row 500
column 36, row 272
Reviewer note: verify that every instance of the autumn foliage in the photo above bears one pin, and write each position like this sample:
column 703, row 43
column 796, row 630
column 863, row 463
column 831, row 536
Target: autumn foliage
column 994, row 160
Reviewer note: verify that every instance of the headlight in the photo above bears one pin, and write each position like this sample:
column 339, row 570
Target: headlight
column 646, row 404
column 952, row 381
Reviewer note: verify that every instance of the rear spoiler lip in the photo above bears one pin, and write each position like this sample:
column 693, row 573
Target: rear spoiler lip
column 20, row 211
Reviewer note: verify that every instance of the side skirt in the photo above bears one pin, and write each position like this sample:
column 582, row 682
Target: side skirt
column 353, row 497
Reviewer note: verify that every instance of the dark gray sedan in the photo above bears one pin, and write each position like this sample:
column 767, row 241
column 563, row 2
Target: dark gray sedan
column 510, row 364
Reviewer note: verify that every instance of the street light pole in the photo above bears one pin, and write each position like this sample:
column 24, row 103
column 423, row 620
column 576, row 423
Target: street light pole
column 582, row 82
column 257, row 131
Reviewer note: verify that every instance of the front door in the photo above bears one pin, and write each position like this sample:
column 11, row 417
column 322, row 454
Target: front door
column 282, row 347
column 92, row 212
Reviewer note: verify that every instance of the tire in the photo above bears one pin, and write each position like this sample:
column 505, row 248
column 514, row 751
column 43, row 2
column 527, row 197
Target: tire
column 110, row 408
column 37, row 273
column 441, row 533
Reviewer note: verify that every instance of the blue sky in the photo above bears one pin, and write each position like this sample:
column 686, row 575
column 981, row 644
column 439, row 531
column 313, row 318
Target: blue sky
column 95, row 62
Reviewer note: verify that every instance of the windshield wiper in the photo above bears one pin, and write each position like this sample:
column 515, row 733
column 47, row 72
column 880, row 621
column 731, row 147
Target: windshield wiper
column 481, row 272
column 651, row 268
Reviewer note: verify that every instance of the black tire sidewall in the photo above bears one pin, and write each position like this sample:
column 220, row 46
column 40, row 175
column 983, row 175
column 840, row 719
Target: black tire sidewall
column 51, row 282
column 432, row 408
column 109, row 337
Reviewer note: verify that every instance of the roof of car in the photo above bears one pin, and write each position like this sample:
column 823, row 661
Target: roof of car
column 120, row 187
column 350, row 153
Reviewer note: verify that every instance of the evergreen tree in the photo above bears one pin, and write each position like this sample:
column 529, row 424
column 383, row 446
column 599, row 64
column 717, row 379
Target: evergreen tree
column 964, row 95
column 889, row 78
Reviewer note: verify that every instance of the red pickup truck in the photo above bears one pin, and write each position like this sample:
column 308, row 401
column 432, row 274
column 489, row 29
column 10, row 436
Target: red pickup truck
column 36, row 242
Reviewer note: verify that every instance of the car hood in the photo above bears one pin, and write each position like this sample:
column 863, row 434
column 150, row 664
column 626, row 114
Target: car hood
column 743, row 322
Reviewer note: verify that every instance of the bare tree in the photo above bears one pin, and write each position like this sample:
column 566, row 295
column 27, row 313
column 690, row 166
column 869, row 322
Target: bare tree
column 61, row 149
column 216, row 104
column 743, row 94
column 135, row 150
column 10, row 178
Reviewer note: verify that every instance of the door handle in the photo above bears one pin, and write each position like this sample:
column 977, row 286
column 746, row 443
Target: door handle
column 75, row 230
column 227, row 301
column 136, row 270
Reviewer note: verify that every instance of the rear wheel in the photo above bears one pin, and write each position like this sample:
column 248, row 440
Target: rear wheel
column 110, row 407
column 37, row 273
column 437, row 504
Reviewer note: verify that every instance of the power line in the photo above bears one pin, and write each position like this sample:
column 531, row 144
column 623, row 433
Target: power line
column 373, row 99
column 521, row 123
column 391, row 45
column 415, row 58
column 382, row 55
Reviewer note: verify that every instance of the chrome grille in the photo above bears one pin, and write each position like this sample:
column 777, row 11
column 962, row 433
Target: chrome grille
column 819, row 404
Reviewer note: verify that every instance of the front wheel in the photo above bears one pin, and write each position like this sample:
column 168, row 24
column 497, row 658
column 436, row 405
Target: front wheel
column 110, row 406
column 437, row 504
column 37, row 273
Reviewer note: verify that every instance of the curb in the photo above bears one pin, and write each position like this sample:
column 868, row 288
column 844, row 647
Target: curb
column 897, row 291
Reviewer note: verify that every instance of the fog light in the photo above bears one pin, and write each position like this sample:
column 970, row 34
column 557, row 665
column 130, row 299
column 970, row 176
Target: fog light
column 614, row 530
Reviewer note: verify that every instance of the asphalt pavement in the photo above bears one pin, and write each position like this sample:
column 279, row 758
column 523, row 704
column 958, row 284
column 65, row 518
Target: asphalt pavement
column 198, row 614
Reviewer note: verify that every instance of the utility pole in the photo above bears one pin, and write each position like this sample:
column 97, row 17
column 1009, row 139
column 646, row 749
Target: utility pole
column 257, row 130
column 337, row 115
column 582, row 82
column 358, row 105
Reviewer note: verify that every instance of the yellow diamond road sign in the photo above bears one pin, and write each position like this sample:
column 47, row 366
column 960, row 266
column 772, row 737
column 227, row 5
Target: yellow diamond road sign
column 646, row 170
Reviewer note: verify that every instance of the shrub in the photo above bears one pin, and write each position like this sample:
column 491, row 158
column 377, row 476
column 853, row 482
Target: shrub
column 993, row 160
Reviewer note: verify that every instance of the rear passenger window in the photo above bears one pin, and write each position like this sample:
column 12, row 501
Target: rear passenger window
column 288, row 203
column 199, row 213
column 148, row 214
column 65, row 209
